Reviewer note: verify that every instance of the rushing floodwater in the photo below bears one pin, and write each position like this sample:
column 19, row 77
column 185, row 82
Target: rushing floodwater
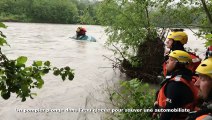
column 52, row 42
column 59, row 100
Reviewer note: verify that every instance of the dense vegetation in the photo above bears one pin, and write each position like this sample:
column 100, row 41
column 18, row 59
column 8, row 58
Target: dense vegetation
column 48, row 11
column 134, row 28
column 162, row 13
column 134, row 37
column 133, row 99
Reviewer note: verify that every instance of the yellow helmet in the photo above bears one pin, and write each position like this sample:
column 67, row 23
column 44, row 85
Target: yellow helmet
column 181, row 56
column 178, row 36
column 205, row 67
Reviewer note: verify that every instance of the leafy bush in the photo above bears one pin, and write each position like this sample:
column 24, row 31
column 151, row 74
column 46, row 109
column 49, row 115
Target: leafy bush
column 48, row 11
column 131, row 31
column 133, row 95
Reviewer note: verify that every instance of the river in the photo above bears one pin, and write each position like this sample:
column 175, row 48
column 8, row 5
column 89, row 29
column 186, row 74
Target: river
column 59, row 100
column 51, row 42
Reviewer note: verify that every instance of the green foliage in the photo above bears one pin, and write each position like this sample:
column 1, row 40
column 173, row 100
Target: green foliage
column 54, row 11
column 128, row 23
column 181, row 16
column 2, row 36
column 49, row 11
column 135, row 61
column 209, row 40
column 2, row 41
column 16, row 77
column 133, row 94
column 64, row 72
column 134, row 36
column 183, row 13
column 2, row 26
column 88, row 15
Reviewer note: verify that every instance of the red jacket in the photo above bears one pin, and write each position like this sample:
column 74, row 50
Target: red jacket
column 161, row 99
column 204, row 117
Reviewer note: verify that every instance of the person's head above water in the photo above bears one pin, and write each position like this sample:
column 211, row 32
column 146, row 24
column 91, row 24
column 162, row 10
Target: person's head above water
column 80, row 31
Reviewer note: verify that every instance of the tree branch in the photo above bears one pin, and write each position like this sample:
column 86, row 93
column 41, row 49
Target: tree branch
column 207, row 12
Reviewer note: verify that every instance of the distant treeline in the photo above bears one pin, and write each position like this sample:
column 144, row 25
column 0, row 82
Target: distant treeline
column 99, row 12
column 45, row 11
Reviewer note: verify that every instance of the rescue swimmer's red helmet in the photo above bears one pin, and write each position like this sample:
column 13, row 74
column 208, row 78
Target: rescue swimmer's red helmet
column 81, row 30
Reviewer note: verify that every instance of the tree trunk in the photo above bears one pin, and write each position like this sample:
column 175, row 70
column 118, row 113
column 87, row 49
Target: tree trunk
column 207, row 12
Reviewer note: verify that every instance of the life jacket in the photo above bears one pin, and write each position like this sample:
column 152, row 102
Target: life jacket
column 202, row 114
column 161, row 99
column 204, row 117
column 208, row 52
column 164, row 69
column 194, row 78
column 196, row 60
